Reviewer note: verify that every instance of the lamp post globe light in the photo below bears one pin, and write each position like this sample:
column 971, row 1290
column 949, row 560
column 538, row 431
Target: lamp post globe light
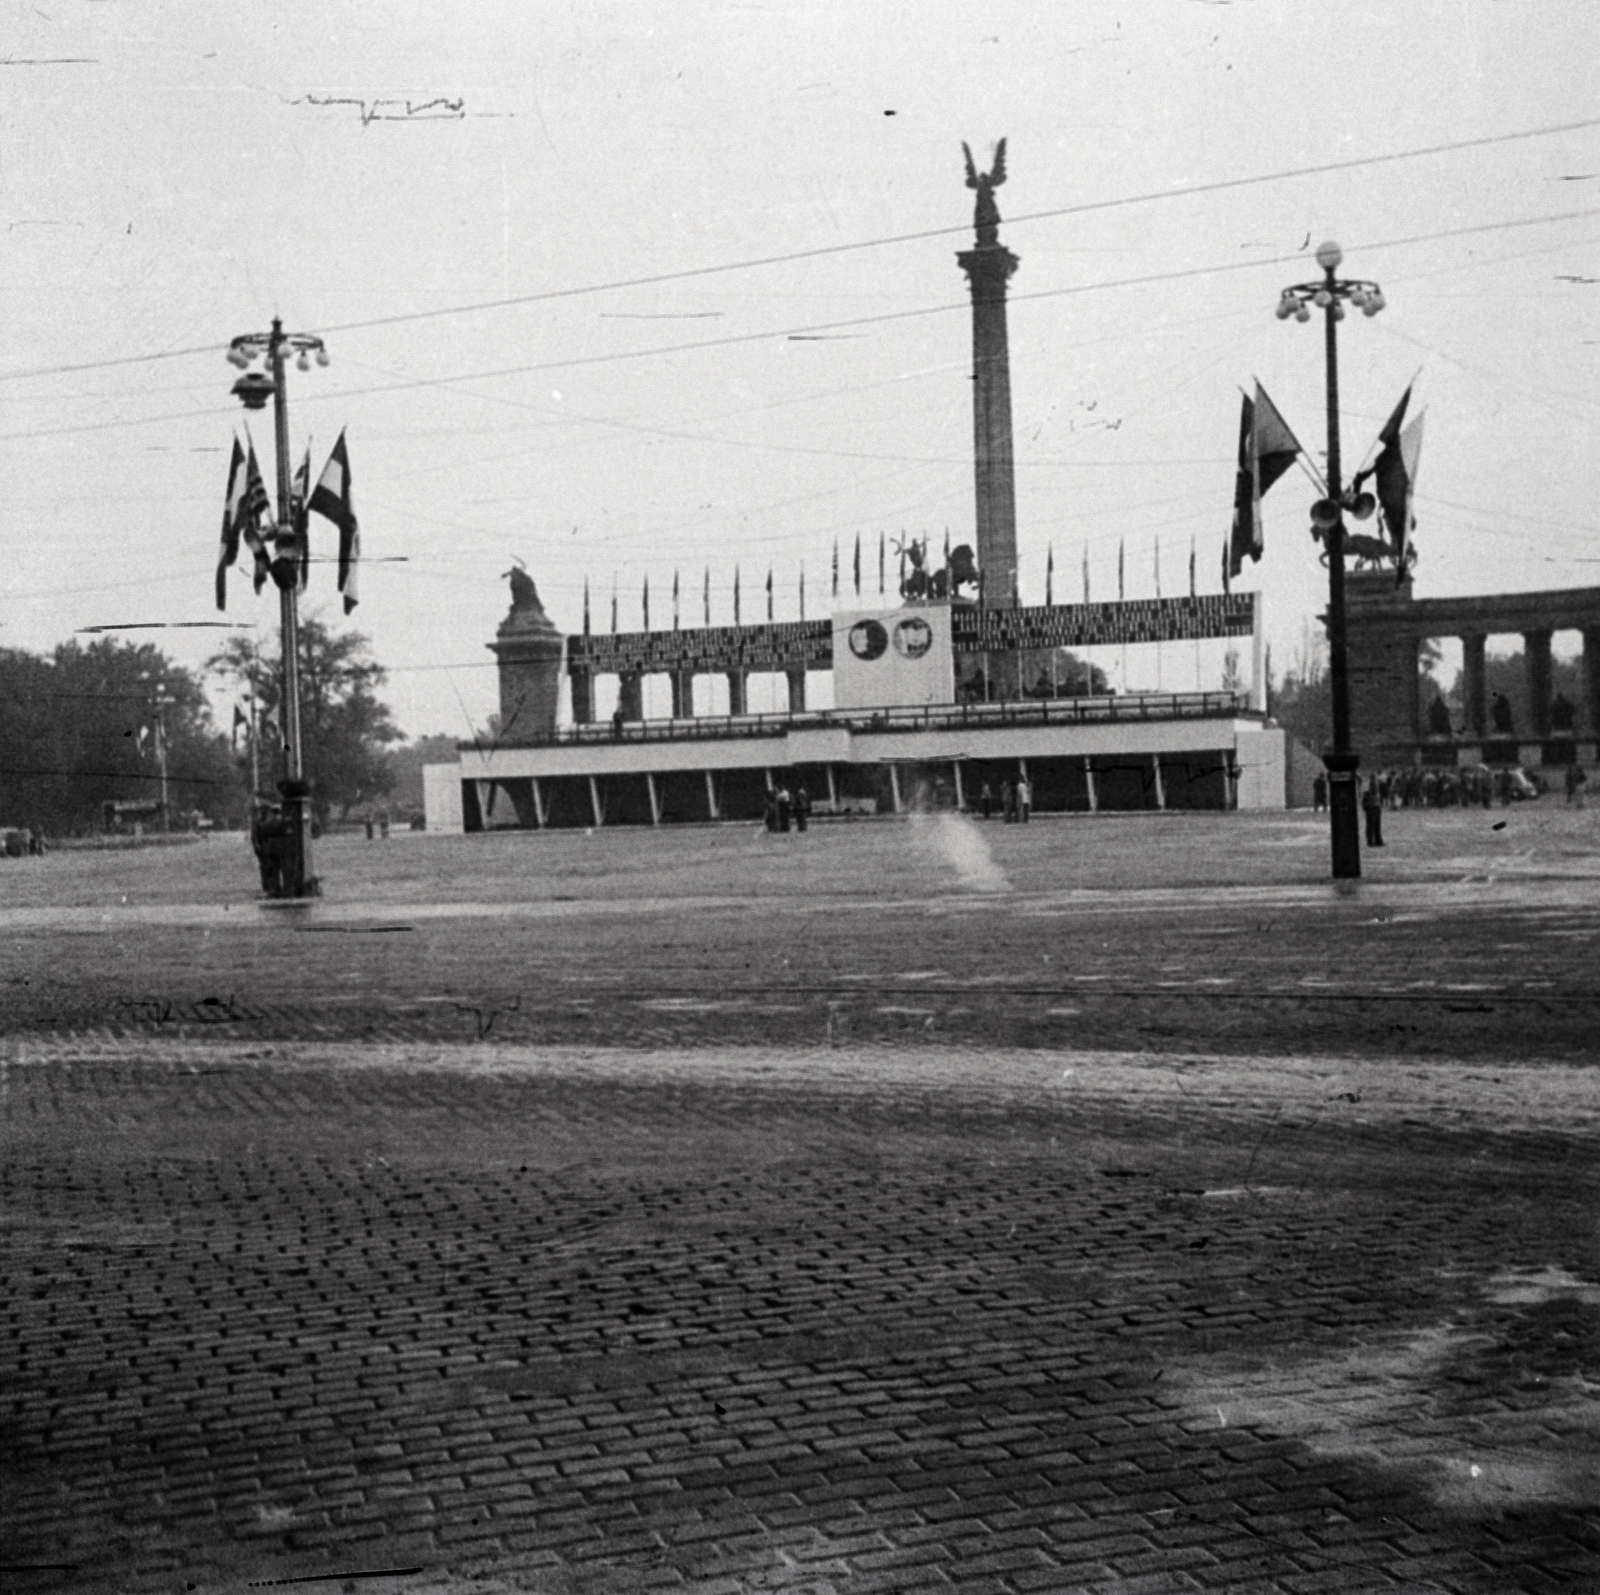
column 1330, row 295
column 253, row 389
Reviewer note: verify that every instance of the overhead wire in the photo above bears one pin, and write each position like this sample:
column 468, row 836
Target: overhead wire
column 1085, row 207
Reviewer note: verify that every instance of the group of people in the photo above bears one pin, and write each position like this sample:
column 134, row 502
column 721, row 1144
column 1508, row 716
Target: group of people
column 1016, row 800
column 1469, row 786
column 784, row 809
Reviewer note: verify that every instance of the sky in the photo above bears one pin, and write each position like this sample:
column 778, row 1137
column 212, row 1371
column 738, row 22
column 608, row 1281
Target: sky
column 469, row 205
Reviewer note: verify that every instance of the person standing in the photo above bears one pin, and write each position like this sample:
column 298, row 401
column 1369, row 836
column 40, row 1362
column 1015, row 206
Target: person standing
column 802, row 807
column 986, row 801
column 1319, row 792
column 1024, row 799
column 1008, row 802
column 1372, row 807
column 783, row 808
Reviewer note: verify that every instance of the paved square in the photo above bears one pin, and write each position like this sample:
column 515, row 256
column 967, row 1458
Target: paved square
column 1091, row 1205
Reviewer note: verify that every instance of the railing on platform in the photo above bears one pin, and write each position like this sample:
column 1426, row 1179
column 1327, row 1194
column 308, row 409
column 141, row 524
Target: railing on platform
column 931, row 717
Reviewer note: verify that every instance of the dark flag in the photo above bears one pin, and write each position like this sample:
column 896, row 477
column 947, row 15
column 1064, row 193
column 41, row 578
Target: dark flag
column 1050, row 576
column 1267, row 448
column 257, row 507
column 613, row 603
column 736, row 595
column 1191, row 565
column 674, row 600
column 802, row 592
column 1086, row 572
column 858, row 564
column 1396, row 473
column 331, row 499
column 1121, row 546
column 647, row 600
column 706, row 595
column 232, row 502
column 836, row 567
column 769, row 592
column 881, row 550
column 586, row 606
column 300, row 515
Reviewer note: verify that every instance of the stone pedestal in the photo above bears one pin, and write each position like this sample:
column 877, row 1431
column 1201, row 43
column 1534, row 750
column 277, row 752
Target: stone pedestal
column 529, row 648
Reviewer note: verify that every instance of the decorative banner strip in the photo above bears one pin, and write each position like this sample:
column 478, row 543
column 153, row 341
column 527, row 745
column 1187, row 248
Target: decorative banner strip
column 789, row 645
column 705, row 650
column 1136, row 620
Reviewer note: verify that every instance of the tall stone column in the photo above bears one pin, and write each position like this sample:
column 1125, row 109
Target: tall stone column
column 1537, row 646
column 736, row 692
column 797, row 690
column 1477, row 684
column 989, row 266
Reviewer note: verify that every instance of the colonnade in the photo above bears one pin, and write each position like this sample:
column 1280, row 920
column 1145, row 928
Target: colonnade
column 630, row 692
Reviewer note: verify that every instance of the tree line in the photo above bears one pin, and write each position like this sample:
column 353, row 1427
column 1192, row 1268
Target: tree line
column 86, row 724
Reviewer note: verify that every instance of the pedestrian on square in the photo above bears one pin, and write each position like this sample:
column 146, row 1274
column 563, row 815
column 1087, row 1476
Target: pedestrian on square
column 1008, row 802
column 986, row 801
column 772, row 809
column 1319, row 792
column 783, row 808
column 36, row 840
column 616, row 724
column 1372, row 807
column 369, row 827
column 802, row 807
column 1024, row 799
column 1577, row 779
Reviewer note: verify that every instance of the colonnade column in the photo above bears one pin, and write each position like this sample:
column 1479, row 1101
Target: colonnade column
column 1537, row 645
column 797, row 690
column 736, row 692
column 1591, row 679
column 630, row 695
column 1475, row 669
column 682, row 694
column 582, row 695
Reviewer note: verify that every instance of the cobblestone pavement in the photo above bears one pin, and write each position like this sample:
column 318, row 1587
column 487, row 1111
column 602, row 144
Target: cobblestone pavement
column 846, row 1320
column 811, row 1228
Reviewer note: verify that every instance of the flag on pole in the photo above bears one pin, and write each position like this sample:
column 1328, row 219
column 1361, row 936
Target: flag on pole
column 613, row 603
column 1121, row 550
column 300, row 515
column 674, row 600
column 647, row 600
column 232, row 501
column 1227, row 559
column 1158, row 567
column 586, row 606
column 802, row 590
column 836, row 567
column 736, row 595
column 1267, row 448
column 256, row 508
column 1086, row 572
column 1396, row 473
column 882, row 545
column 331, row 500
column 769, row 592
column 858, row 564
column 1191, row 564
column 1050, row 575
column 707, row 595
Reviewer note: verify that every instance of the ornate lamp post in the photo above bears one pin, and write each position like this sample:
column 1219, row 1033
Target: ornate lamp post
column 253, row 390
column 1330, row 295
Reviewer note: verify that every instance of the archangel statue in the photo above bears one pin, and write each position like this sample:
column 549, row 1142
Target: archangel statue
column 986, row 215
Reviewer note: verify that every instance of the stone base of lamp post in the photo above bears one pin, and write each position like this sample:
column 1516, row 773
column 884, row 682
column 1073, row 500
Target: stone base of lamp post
column 1344, row 813
column 295, row 875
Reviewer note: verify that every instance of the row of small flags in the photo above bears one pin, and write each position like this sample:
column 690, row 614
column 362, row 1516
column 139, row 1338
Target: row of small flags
column 1267, row 448
column 247, row 517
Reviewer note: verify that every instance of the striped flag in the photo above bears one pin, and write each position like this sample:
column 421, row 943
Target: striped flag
column 1050, row 576
column 331, row 499
column 232, row 501
column 255, row 509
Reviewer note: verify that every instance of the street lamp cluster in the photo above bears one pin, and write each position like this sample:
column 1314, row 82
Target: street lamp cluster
column 1330, row 296
column 253, row 390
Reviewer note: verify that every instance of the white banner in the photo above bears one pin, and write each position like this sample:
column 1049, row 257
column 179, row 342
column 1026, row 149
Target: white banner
column 891, row 659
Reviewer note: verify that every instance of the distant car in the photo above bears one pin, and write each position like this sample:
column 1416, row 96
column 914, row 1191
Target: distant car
column 1523, row 785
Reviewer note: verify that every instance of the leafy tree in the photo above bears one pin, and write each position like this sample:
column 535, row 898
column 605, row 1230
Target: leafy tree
column 79, row 728
column 344, row 728
column 1302, row 703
